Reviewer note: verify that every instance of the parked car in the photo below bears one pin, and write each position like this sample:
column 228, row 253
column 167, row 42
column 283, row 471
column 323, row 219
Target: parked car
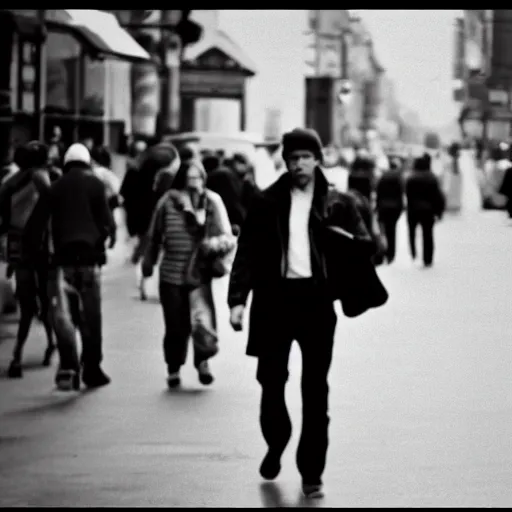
column 252, row 145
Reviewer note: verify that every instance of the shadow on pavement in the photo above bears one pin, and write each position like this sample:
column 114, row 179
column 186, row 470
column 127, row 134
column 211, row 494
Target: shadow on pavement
column 185, row 391
column 35, row 364
column 58, row 403
column 272, row 497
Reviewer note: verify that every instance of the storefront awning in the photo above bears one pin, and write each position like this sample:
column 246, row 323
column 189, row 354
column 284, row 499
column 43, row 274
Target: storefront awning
column 214, row 38
column 100, row 31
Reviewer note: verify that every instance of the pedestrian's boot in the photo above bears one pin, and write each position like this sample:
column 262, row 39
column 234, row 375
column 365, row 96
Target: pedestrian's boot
column 271, row 465
column 205, row 375
column 173, row 380
column 67, row 380
column 94, row 377
column 15, row 370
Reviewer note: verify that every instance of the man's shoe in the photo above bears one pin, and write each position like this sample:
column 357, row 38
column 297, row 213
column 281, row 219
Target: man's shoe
column 95, row 378
column 205, row 375
column 270, row 466
column 67, row 380
column 15, row 370
column 173, row 380
column 313, row 491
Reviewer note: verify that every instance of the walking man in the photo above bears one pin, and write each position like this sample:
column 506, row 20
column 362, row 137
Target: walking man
column 299, row 241
column 390, row 204
column 425, row 205
column 81, row 221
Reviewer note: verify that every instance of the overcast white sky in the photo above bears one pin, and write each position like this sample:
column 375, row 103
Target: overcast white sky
column 416, row 48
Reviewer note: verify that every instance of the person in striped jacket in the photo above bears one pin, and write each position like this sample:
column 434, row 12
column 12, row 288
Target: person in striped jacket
column 191, row 227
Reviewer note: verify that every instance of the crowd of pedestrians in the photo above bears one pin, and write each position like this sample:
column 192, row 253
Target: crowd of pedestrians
column 296, row 247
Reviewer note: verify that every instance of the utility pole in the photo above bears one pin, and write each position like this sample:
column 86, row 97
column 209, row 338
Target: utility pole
column 486, row 106
column 40, row 81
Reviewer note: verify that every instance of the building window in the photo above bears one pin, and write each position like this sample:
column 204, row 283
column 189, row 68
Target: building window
column 63, row 88
column 23, row 75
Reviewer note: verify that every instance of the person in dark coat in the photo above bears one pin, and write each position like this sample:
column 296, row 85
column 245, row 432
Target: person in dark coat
column 158, row 166
column 30, row 271
column 244, row 171
column 361, row 176
column 302, row 246
column 129, row 190
column 81, row 222
column 506, row 189
column 221, row 179
column 390, row 204
column 425, row 205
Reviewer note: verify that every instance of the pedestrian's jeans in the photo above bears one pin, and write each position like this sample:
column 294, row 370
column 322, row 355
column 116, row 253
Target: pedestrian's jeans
column 75, row 298
column 427, row 222
column 306, row 315
column 188, row 312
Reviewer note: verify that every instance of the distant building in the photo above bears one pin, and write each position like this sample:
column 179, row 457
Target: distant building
column 483, row 72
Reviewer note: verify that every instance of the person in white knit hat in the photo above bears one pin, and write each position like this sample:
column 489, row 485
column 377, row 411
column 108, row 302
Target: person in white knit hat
column 81, row 222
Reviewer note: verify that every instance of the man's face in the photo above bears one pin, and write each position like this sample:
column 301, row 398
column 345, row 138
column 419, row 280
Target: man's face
column 301, row 165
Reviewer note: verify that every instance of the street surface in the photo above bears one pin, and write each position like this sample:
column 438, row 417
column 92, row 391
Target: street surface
column 421, row 398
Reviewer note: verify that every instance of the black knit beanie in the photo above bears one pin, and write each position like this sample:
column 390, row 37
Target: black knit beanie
column 304, row 139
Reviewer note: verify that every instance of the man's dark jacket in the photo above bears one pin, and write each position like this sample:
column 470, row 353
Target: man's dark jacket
column 390, row 193
column 340, row 264
column 226, row 183
column 81, row 220
column 424, row 195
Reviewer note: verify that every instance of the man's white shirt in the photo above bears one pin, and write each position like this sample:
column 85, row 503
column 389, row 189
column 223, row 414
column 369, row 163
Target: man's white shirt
column 299, row 253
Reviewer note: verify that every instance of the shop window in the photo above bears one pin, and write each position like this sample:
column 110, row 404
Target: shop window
column 93, row 100
column 23, row 75
column 63, row 88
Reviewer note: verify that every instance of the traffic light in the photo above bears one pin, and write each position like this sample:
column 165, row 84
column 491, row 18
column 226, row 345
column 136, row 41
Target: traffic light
column 189, row 31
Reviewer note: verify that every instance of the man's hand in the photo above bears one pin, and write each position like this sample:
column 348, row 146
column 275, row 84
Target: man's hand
column 237, row 317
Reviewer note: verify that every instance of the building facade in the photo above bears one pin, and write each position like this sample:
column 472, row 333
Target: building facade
column 66, row 76
column 342, row 56
column 483, row 73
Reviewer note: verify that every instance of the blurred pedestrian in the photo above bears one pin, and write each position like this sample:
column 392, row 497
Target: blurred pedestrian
column 30, row 270
column 81, row 222
column 452, row 185
column 130, row 186
column 506, row 189
column 222, row 180
column 390, row 204
column 158, row 164
column 302, row 246
column 362, row 176
column 191, row 227
column 56, row 147
column 425, row 205
column 248, row 189
column 101, row 161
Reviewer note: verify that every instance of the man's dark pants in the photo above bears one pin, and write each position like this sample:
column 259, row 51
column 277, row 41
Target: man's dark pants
column 389, row 220
column 426, row 221
column 179, row 327
column 75, row 298
column 306, row 315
